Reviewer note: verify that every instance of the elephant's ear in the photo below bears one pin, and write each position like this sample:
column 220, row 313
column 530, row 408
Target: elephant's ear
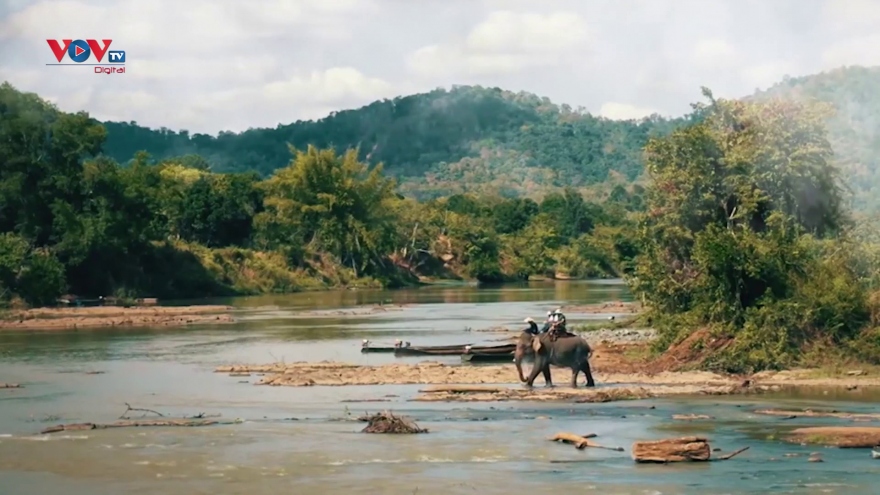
column 536, row 344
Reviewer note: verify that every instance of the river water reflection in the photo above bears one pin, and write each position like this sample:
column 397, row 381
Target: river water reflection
column 304, row 440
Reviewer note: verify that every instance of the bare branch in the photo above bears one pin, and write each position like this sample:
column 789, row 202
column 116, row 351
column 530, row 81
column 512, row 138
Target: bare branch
column 129, row 409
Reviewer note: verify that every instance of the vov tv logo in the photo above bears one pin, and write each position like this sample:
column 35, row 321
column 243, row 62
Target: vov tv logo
column 82, row 51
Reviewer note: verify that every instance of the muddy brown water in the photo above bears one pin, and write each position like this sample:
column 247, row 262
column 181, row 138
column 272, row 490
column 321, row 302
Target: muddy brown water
column 304, row 440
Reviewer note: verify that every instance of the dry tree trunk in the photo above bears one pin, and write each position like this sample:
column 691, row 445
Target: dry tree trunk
column 581, row 442
column 132, row 424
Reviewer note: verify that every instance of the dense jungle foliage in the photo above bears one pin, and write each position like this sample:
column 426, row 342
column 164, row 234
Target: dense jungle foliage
column 747, row 234
column 74, row 220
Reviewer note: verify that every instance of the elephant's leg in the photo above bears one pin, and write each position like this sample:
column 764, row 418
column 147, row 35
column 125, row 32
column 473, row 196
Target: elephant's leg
column 548, row 380
column 537, row 368
column 574, row 375
column 585, row 367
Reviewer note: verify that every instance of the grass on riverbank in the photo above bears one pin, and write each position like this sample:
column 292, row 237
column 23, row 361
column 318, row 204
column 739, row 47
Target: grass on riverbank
column 247, row 272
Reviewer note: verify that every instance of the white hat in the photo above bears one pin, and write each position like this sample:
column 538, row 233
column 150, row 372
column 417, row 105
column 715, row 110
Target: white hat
column 529, row 320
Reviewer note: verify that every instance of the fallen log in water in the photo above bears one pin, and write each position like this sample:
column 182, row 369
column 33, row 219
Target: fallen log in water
column 386, row 422
column 677, row 450
column 672, row 450
column 581, row 442
column 135, row 423
column 846, row 437
column 809, row 413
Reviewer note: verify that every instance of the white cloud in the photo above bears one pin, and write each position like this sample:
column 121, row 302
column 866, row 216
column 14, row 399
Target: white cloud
column 328, row 86
column 850, row 14
column 763, row 75
column 505, row 42
column 712, row 50
column 507, row 31
column 624, row 111
column 279, row 101
column 854, row 51
column 210, row 65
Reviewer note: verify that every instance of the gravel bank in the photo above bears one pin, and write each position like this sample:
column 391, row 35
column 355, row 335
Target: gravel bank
column 620, row 335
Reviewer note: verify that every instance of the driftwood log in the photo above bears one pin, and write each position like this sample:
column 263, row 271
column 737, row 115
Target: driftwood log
column 386, row 422
column 581, row 442
column 678, row 450
column 672, row 450
column 135, row 423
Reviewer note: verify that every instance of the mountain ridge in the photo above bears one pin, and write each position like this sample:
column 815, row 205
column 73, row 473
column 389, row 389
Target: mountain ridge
column 475, row 138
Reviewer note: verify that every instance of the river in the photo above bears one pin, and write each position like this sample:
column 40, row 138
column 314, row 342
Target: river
column 304, row 440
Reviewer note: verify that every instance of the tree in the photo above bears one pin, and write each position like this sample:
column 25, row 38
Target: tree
column 735, row 209
column 336, row 203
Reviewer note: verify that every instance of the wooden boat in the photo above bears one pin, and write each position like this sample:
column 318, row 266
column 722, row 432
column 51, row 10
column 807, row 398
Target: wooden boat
column 455, row 350
column 378, row 349
column 430, row 351
column 366, row 347
column 487, row 357
column 491, row 349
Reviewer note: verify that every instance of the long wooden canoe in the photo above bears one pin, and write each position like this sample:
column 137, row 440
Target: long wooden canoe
column 378, row 349
column 483, row 357
column 405, row 350
column 492, row 349
column 454, row 350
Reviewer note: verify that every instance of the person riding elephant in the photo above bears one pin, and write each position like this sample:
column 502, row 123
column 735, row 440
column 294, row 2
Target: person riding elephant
column 557, row 324
column 524, row 348
column 532, row 328
column 548, row 323
column 565, row 351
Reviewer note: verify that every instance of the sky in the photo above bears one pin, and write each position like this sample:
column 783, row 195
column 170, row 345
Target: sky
column 212, row 65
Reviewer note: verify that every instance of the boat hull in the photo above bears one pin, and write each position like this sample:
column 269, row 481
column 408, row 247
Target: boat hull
column 454, row 350
column 487, row 357
column 379, row 349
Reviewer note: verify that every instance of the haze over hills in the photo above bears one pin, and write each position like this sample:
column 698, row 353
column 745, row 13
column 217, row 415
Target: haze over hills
column 473, row 138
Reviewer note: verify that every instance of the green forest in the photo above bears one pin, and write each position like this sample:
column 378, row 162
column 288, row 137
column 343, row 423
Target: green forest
column 735, row 219
column 472, row 139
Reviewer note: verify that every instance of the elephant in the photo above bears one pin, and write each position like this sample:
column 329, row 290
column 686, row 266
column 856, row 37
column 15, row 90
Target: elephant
column 524, row 348
column 571, row 352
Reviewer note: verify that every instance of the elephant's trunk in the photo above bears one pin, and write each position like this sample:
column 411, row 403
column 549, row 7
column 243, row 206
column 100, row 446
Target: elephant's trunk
column 517, row 361
column 523, row 347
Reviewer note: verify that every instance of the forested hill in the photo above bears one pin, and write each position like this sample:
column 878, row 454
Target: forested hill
column 854, row 129
column 436, row 143
column 475, row 139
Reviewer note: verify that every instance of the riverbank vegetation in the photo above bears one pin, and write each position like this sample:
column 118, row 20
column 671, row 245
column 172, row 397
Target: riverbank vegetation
column 749, row 256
